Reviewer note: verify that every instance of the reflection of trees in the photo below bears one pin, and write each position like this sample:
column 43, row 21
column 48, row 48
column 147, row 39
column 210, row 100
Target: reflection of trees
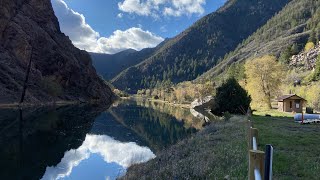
column 106, row 124
column 180, row 114
column 40, row 138
column 158, row 128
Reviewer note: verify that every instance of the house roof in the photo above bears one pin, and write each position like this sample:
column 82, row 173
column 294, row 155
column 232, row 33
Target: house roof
column 281, row 98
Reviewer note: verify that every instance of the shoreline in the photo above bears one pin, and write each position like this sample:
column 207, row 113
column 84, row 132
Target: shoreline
column 27, row 105
column 186, row 106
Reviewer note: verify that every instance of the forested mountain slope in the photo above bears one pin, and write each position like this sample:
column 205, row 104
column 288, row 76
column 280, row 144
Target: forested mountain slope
column 110, row 65
column 283, row 36
column 200, row 47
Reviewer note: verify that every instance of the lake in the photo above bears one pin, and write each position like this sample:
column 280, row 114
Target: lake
column 88, row 142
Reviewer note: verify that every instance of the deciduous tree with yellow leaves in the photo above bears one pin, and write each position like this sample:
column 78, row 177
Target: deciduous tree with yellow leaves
column 264, row 76
column 309, row 46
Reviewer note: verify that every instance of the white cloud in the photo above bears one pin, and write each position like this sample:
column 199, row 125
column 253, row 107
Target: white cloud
column 85, row 37
column 135, row 6
column 112, row 151
column 156, row 8
column 120, row 15
column 133, row 38
column 75, row 26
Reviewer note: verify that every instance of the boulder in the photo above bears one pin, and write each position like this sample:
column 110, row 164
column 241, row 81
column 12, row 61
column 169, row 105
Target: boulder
column 206, row 102
column 306, row 60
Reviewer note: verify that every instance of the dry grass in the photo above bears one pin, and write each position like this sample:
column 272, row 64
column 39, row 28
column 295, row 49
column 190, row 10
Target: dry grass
column 213, row 153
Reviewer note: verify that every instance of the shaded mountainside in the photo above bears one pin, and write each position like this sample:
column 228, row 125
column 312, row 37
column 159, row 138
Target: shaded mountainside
column 200, row 47
column 283, row 36
column 110, row 65
column 59, row 71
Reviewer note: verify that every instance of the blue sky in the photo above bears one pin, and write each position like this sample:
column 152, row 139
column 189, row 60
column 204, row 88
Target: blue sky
column 110, row 26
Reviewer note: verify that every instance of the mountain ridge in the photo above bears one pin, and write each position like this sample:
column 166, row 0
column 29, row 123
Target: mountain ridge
column 197, row 49
column 290, row 26
column 110, row 65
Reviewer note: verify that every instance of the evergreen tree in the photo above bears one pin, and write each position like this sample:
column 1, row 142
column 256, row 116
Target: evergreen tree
column 316, row 73
column 232, row 98
column 295, row 49
column 285, row 56
column 312, row 37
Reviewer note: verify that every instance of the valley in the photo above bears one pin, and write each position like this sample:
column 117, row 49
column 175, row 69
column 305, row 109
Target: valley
column 97, row 91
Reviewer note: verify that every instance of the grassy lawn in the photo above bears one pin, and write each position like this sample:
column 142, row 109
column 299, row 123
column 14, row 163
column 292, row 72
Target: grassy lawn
column 273, row 112
column 296, row 147
column 221, row 149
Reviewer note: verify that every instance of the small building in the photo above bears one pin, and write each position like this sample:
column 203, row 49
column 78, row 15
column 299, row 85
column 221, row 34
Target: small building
column 291, row 103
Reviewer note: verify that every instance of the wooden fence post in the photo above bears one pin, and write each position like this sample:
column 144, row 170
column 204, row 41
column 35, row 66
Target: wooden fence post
column 249, row 133
column 268, row 162
column 253, row 135
column 256, row 165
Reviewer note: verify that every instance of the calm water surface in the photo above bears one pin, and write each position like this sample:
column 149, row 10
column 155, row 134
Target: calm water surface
column 85, row 142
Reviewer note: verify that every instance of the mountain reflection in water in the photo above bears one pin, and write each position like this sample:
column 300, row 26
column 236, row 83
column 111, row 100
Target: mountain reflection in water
column 87, row 142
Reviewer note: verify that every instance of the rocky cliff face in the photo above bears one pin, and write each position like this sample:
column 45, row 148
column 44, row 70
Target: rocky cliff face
column 59, row 71
column 306, row 60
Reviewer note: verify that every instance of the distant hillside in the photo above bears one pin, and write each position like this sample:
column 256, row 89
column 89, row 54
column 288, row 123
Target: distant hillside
column 200, row 47
column 283, row 35
column 110, row 65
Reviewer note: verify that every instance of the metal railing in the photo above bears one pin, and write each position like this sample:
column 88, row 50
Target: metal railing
column 260, row 162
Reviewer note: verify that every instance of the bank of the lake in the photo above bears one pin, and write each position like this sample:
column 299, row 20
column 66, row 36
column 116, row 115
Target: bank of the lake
column 28, row 105
column 220, row 151
column 217, row 151
column 140, row 98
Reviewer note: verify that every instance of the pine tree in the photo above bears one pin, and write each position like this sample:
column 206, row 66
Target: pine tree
column 232, row 98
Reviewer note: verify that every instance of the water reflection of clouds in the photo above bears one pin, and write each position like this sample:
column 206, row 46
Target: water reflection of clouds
column 112, row 151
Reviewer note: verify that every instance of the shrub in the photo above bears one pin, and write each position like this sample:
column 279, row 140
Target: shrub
column 309, row 46
column 232, row 98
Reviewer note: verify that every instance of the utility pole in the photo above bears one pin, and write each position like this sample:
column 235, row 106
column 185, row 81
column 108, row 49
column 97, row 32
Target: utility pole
column 26, row 78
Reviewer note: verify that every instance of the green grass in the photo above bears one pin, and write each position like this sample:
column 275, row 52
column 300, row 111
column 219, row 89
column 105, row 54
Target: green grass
column 221, row 149
column 273, row 112
column 296, row 147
